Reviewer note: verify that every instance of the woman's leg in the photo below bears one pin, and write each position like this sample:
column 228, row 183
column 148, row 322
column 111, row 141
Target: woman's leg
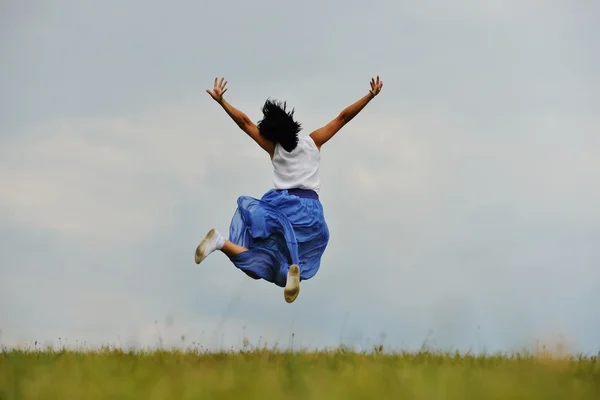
column 231, row 249
column 215, row 241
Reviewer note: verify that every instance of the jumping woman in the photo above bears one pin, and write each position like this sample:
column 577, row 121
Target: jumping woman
column 281, row 237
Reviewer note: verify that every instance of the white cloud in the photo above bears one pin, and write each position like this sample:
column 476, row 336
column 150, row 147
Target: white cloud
column 112, row 180
column 420, row 197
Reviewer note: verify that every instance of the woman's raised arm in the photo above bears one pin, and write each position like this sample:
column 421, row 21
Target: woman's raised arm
column 239, row 117
column 322, row 135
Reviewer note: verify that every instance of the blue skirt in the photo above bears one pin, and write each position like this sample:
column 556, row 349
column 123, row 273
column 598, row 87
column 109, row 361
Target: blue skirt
column 278, row 230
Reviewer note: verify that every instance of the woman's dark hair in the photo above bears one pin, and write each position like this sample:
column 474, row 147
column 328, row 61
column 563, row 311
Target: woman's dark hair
column 278, row 125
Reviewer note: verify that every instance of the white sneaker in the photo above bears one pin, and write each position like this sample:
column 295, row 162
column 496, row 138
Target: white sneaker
column 211, row 242
column 292, row 286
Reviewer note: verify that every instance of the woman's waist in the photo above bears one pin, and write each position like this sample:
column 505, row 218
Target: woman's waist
column 301, row 192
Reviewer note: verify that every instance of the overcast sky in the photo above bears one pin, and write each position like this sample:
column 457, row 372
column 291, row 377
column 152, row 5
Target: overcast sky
column 463, row 203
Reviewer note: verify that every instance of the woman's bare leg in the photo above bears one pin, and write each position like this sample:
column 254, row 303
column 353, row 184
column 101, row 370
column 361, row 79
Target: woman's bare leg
column 231, row 249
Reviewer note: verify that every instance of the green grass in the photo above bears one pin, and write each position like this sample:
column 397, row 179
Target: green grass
column 271, row 374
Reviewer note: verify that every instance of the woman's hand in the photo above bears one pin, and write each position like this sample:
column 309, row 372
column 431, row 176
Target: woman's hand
column 376, row 86
column 219, row 90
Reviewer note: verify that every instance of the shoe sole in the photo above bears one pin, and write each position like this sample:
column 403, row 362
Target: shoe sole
column 292, row 286
column 201, row 249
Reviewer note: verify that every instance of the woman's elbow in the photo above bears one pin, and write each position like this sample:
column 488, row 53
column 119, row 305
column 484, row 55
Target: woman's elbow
column 343, row 118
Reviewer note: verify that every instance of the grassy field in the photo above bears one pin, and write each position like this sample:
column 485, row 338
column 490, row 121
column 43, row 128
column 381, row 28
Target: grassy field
column 270, row 374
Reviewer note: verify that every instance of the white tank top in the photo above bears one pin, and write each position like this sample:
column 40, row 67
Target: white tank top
column 298, row 169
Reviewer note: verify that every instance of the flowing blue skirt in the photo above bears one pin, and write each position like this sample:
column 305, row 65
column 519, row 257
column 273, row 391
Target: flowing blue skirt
column 278, row 230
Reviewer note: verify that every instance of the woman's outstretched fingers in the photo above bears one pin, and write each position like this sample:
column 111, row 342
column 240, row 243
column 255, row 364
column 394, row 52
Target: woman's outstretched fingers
column 219, row 89
column 376, row 85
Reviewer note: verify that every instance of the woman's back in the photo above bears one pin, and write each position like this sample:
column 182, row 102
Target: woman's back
column 298, row 169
